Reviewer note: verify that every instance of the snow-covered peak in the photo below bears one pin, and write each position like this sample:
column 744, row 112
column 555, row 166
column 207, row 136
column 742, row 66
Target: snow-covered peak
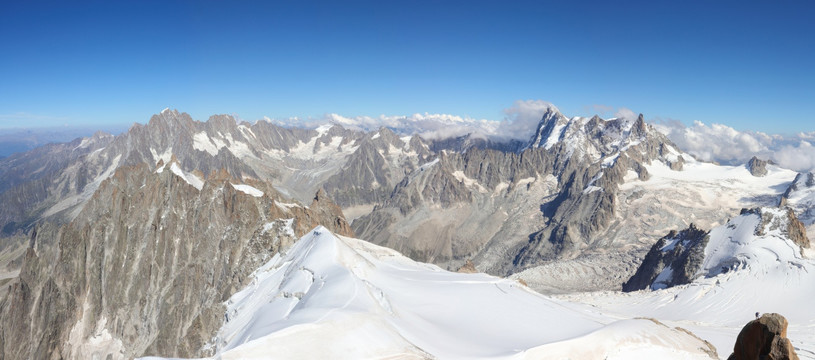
column 336, row 297
column 550, row 128
column 594, row 138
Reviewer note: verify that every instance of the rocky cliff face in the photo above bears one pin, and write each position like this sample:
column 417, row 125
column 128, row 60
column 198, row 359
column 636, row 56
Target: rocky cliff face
column 144, row 268
column 380, row 161
column 452, row 208
column 33, row 181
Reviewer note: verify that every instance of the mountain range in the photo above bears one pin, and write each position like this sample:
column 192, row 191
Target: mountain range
column 138, row 244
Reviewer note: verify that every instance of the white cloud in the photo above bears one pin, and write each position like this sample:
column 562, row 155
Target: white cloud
column 626, row 113
column 726, row 145
column 429, row 126
column 522, row 119
column 799, row 157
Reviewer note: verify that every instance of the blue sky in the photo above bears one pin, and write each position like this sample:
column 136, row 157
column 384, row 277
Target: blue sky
column 745, row 64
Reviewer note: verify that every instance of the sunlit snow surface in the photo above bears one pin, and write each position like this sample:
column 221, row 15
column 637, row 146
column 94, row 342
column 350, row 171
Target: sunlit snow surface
column 246, row 189
column 742, row 274
column 336, row 297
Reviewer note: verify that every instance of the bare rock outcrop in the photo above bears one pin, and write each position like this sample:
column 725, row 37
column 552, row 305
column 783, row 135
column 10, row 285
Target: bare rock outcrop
column 673, row 260
column 788, row 225
column 764, row 338
column 468, row 268
column 757, row 166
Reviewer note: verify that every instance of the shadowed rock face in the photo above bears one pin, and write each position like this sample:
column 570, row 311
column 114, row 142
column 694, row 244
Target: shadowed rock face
column 680, row 253
column 764, row 338
column 146, row 265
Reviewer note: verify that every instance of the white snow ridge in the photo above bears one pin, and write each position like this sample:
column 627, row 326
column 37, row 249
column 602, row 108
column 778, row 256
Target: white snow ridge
column 332, row 297
column 247, row 189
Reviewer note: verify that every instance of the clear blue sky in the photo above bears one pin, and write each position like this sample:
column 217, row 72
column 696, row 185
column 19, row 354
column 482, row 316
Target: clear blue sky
column 747, row 64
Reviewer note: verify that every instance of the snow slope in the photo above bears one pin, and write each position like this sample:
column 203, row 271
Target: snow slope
column 336, row 297
column 743, row 272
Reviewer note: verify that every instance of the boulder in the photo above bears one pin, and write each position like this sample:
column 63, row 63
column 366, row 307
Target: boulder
column 764, row 338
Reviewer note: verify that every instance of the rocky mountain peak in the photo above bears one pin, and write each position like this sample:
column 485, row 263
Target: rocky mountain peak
column 386, row 134
column 639, row 128
column 549, row 129
column 325, row 208
column 321, row 196
column 674, row 259
column 172, row 120
column 757, row 166
column 595, row 139
column 224, row 124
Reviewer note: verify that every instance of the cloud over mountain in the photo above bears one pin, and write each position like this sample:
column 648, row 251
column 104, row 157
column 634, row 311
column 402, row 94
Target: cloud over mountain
column 714, row 142
column 519, row 123
column 429, row 126
column 726, row 145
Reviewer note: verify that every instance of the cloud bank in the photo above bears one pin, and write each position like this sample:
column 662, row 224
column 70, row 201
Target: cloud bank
column 429, row 126
column 715, row 142
column 520, row 121
column 726, row 145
